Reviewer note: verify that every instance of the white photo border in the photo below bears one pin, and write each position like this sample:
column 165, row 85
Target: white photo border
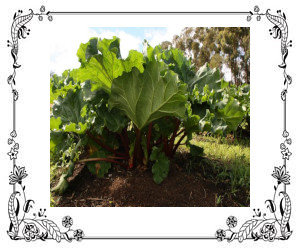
column 38, row 227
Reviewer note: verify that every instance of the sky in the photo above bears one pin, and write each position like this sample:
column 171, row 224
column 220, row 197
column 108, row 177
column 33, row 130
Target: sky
column 63, row 52
column 65, row 43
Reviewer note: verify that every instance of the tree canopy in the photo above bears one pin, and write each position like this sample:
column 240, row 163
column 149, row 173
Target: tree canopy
column 218, row 46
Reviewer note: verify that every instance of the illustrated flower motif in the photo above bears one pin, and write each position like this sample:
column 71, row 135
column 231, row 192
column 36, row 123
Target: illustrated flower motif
column 10, row 141
column 17, row 176
column 12, row 154
column 16, row 146
column 78, row 234
column 285, row 134
column 42, row 9
column 282, row 146
column 258, row 18
column 288, row 141
column 231, row 221
column 248, row 18
column 268, row 232
column 30, row 232
column 67, row 221
column 13, row 134
column 256, row 8
column 286, row 154
column 281, row 175
column 220, row 234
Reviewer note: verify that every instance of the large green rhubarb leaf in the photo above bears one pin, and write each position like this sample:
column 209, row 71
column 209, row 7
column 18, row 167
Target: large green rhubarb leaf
column 87, row 50
column 148, row 96
column 232, row 113
column 174, row 58
column 70, row 112
column 101, row 68
column 206, row 76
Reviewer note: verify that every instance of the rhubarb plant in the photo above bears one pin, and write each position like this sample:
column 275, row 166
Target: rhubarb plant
column 136, row 111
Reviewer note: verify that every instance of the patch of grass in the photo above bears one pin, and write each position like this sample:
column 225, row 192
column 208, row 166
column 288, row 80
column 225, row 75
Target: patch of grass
column 226, row 160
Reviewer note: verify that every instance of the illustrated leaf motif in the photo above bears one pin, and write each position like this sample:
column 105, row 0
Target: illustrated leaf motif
column 246, row 229
column 286, row 214
column 271, row 205
column 66, row 237
column 12, row 213
column 284, row 16
column 52, row 229
column 232, row 237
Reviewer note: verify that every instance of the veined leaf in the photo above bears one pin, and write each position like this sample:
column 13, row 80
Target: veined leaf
column 175, row 59
column 232, row 113
column 69, row 111
column 102, row 68
column 150, row 95
column 206, row 76
column 87, row 50
column 59, row 86
column 114, row 120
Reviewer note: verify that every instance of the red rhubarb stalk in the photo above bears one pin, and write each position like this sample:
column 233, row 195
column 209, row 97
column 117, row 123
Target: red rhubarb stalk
column 103, row 145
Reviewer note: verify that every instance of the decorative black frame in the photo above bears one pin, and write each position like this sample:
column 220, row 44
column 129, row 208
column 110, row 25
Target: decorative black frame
column 37, row 226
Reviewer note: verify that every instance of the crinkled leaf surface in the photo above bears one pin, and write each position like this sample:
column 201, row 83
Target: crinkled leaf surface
column 87, row 50
column 210, row 123
column 160, row 169
column 206, row 76
column 101, row 68
column 114, row 120
column 71, row 111
column 232, row 113
column 148, row 96
column 175, row 59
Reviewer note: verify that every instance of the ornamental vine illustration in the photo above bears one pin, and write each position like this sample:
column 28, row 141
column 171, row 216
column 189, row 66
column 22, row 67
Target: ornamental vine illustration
column 275, row 226
column 30, row 227
column 22, row 225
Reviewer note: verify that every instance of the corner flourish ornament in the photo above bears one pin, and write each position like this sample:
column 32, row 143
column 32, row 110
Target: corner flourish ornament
column 275, row 226
column 20, row 31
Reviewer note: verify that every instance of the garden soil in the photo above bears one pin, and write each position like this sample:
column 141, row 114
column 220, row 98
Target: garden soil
column 136, row 188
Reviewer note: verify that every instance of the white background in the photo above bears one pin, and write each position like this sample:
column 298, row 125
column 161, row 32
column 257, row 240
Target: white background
column 33, row 123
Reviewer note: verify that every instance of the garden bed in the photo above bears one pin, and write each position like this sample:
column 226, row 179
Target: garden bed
column 136, row 188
